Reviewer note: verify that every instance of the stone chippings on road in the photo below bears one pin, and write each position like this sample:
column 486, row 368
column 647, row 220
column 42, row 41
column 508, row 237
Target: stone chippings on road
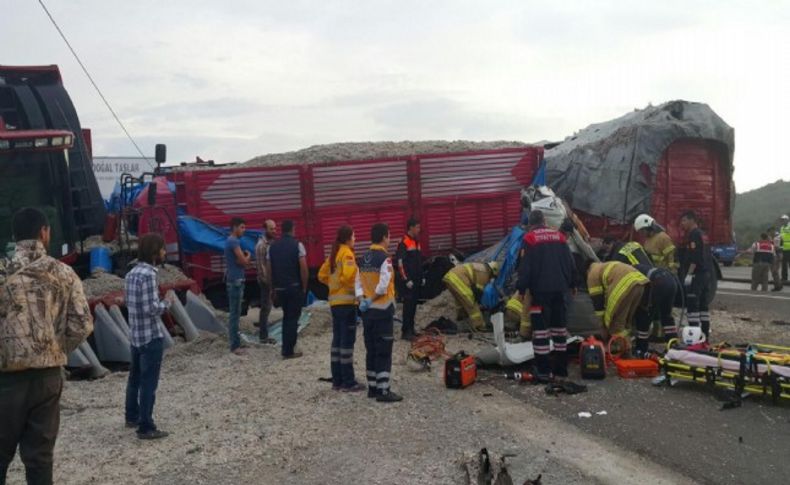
column 237, row 420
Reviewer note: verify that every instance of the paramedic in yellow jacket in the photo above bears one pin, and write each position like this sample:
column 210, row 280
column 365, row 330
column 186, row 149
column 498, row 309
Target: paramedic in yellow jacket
column 339, row 273
column 617, row 291
column 466, row 282
column 658, row 245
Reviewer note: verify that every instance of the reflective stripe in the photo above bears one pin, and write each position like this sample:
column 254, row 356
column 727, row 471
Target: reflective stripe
column 620, row 290
column 599, row 313
column 605, row 276
column 383, row 385
column 460, row 286
column 596, row 290
column 383, row 375
column 347, row 360
column 668, row 250
column 514, row 304
column 347, row 298
column 346, row 351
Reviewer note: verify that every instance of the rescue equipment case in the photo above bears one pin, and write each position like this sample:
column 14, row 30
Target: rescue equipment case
column 592, row 359
column 460, row 371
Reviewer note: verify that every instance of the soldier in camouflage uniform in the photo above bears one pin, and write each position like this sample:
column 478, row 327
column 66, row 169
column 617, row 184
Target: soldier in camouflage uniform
column 43, row 317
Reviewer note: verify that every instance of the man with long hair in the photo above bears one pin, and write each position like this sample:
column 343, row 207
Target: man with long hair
column 145, row 335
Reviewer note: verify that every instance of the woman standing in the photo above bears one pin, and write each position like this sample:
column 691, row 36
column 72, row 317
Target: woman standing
column 339, row 273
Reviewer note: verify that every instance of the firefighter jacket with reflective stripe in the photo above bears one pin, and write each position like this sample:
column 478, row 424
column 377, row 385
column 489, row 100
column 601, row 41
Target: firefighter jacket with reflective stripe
column 376, row 280
column 784, row 233
column 341, row 281
column 631, row 253
column 662, row 251
column 608, row 283
column 763, row 252
column 408, row 259
column 474, row 276
column 547, row 265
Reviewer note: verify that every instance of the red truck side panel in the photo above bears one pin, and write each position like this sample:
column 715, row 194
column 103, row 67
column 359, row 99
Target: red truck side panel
column 464, row 200
column 691, row 175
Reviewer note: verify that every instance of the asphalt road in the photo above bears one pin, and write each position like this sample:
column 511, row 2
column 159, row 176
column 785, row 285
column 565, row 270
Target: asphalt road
column 683, row 427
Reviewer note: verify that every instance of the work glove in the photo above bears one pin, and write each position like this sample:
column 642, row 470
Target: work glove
column 364, row 305
column 687, row 281
column 410, row 284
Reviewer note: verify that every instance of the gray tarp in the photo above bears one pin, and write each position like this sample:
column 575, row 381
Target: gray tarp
column 598, row 170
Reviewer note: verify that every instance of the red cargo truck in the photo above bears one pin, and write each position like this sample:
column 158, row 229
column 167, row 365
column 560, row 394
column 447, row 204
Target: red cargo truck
column 465, row 201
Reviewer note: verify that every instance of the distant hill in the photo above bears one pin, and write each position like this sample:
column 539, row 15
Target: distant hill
column 759, row 209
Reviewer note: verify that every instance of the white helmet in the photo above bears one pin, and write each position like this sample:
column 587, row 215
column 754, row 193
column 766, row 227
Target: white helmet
column 692, row 336
column 785, row 217
column 643, row 221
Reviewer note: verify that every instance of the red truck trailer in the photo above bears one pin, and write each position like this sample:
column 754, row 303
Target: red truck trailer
column 465, row 201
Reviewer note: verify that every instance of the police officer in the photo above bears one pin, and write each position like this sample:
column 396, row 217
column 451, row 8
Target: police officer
column 695, row 266
column 376, row 289
column 547, row 271
column 662, row 289
column 409, row 262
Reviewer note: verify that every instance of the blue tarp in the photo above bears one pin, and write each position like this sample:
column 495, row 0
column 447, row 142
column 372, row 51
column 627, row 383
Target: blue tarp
column 540, row 176
column 495, row 291
column 198, row 236
column 114, row 204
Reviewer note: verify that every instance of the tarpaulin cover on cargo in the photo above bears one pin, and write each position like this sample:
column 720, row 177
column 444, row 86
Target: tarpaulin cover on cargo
column 596, row 166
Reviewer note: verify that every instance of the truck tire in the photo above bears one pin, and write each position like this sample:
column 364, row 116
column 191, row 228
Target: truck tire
column 714, row 276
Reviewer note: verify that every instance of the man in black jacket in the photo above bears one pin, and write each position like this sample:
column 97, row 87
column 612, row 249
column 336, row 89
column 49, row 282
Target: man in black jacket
column 547, row 271
column 409, row 266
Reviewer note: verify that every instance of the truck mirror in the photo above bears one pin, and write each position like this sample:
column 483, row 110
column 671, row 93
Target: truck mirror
column 161, row 153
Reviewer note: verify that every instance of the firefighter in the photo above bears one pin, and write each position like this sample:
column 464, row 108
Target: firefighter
column 466, row 282
column 784, row 235
column 763, row 251
column 517, row 314
column 617, row 291
column 662, row 290
column 546, row 270
column 408, row 258
column 375, row 287
column 695, row 267
column 629, row 253
column 658, row 245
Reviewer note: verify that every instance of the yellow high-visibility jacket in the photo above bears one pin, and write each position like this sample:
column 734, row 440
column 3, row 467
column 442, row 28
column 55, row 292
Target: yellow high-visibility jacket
column 662, row 251
column 608, row 283
column 341, row 281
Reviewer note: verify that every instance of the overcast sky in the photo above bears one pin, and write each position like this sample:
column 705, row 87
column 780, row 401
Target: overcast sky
column 231, row 80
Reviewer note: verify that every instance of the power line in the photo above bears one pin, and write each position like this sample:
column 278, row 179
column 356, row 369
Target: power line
column 95, row 86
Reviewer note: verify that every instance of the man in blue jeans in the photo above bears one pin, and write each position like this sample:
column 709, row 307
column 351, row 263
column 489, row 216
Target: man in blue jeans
column 236, row 260
column 286, row 268
column 146, row 337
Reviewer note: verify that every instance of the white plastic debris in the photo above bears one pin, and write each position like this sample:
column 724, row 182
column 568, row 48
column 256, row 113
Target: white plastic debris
column 585, row 414
column 601, row 413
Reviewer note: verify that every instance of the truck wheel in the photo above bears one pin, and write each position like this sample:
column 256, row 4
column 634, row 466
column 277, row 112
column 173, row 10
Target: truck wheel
column 714, row 276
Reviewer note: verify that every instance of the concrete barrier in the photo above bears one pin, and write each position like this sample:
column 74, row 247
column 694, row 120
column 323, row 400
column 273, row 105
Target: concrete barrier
column 112, row 344
column 182, row 318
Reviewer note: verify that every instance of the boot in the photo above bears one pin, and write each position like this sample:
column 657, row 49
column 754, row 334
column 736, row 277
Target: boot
column 560, row 364
column 389, row 396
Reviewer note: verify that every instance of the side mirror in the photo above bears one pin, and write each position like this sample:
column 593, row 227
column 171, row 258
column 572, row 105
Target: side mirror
column 161, row 153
